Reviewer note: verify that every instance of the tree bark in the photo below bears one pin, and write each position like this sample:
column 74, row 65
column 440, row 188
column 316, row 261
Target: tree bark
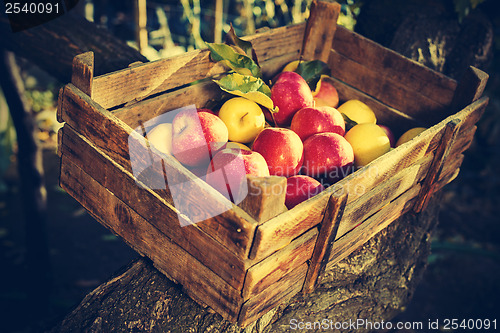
column 373, row 283
column 53, row 45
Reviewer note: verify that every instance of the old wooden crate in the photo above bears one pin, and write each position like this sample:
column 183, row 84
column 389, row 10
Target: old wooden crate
column 252, row 257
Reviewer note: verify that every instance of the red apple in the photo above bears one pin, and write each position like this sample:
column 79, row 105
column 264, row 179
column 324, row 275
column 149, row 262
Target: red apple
column 326, row 94
column 312, row 120
column 228, row 169
column 290, row 93
column 326, row 154
column 300, row 188
column 390, row 135
column 197, row 136
column 282, row 149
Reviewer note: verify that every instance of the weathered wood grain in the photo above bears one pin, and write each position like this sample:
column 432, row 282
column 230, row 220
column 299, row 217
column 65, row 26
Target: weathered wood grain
column 320, row 29
column 322, row 248
column 141, row 81
column 83, row 72
column 266, row 197
column 152, row 208
column 440, row 156
column 470, row 88
column 387, row 90
column 284, row 289
column 358, row 236
column 365, row 206
column 233, row 228
column 390, row 64
column 179, row 265
column 265, row 274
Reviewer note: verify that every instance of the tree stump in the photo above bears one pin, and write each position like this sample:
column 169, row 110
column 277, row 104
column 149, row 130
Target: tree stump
column 374, row 283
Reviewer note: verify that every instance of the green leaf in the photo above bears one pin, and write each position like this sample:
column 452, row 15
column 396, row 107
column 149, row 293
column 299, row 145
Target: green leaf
column 242, row 46
column 349, row 123
column 249, row 87
column 240, row 63
column 311, row 71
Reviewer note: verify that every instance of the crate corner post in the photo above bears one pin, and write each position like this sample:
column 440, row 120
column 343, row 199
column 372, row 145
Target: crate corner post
column 83, row 72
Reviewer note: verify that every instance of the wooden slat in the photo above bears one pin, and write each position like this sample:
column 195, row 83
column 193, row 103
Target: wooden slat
column 154, row 209
column 233, row 228
column 156, row 77
column 320, row 29
column 452, row 165
column 265, row 274
column 282, row 229
column 463, row 141
column 398, row 121
column 368, row 204
column 145, row 239
column 360, row 235
column 328, row 231
column 392, row 65
column 442, row 151
column 202, row 94
column 288, row 286
column 385, row 89
column 83, row 72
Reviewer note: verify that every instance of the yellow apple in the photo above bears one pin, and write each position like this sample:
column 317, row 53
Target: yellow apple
column 244, row 119
column 161, row 137
column 368, row 142
column 241, row 146
column 410, row 134
column 358, row 111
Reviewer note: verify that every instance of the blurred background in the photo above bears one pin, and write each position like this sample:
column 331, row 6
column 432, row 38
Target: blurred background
column 75, row 254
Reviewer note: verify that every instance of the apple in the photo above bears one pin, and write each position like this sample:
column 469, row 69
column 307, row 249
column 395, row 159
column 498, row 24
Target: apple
column 325, row 93
column 410, row 134
column 244, row 119
column 358, row 111
column 311, row 120
column 160, row 137
column 228, row 169
column 290, row 93
column 326, row 154
column 282, row 149
column 368, row 142
column 299, row 188
column 390, row 135
column 197, row 136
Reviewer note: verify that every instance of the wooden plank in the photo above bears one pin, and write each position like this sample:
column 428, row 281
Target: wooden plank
column 386, row 115
column 149, row 241
column 452, row 165
column 266, row 197
column 390, row 64
column 233, row 228
column 83, row 72
column 440, row 156
column 156, row 77
column 463, row 141
column 203, row 94
column 320, row 29
column 326, row 237
column 284, row 289
column 369, row 228
column 365, row 206
column 154, row 209
column 266, row 273
column 385, row 89
column 469, row 89
column 282, row 229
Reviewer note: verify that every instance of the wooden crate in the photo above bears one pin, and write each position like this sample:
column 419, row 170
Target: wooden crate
column 254, row 256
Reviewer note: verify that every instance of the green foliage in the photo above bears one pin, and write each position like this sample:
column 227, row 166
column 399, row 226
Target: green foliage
column 236, row 61
column 247, row 86
column 311, row 71
column 7, row 139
